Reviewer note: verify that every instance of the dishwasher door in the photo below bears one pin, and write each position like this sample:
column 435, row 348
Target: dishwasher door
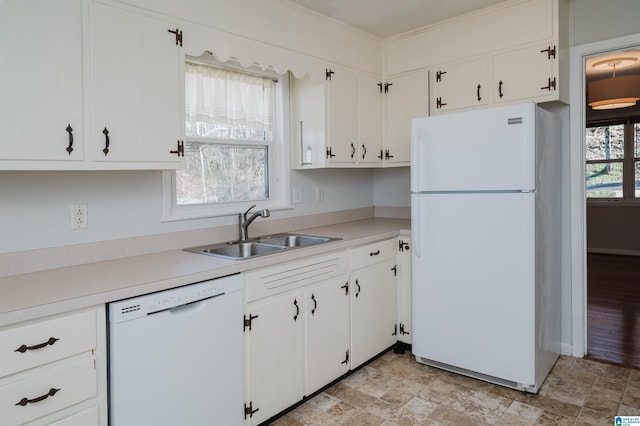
column 175, row 357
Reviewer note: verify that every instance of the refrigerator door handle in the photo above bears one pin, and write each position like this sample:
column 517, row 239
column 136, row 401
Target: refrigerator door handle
column 415, row 227
column 415, row 138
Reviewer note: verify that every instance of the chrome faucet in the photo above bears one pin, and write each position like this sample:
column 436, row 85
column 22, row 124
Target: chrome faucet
column 245, row 221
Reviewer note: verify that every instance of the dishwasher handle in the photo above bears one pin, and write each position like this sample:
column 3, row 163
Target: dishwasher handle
column 189, row 306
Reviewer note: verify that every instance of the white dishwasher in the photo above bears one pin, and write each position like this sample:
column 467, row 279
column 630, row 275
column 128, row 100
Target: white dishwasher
column 175, row 357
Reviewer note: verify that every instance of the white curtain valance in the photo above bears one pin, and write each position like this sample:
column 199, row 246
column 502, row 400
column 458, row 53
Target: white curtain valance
column 221, row 96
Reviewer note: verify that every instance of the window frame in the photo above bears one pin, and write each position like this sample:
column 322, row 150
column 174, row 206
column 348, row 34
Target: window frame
column 628, row 162
column 277, row 157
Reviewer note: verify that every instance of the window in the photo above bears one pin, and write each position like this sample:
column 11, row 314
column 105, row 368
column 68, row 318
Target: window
column 233, row 127
column 613, row 160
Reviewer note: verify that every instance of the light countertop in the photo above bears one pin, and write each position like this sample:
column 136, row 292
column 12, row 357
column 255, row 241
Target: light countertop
column 38, row 294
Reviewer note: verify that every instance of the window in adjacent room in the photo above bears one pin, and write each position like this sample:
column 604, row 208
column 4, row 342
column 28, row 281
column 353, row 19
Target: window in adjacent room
column 233, row 144
column 613, row 160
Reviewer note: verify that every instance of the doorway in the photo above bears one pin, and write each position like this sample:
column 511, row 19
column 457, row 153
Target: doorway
column 611, row 147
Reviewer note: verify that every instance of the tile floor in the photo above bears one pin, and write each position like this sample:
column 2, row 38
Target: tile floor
column 395, row 390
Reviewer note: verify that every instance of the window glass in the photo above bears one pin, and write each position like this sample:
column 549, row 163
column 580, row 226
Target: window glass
column 605, row 142
column 229, row 118
column 604, row 180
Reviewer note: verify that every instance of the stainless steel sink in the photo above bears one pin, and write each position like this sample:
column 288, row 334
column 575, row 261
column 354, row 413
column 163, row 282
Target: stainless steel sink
column 294, row 240
column 260, row 246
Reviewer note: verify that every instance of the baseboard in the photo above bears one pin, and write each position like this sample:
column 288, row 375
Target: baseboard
column 613, row 251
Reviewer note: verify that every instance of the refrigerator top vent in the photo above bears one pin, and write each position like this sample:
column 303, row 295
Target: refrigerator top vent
column 514, row 120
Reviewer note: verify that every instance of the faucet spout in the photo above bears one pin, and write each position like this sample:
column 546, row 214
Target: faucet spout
column 245, row 221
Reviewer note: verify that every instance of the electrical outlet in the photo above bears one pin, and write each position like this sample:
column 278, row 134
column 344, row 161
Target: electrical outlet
column 319, row 193
column 78, row 216
column 297, row 197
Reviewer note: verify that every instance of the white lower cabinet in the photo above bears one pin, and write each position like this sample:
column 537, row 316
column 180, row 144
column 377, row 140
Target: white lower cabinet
column 274, row 350
column 326, row 332
column 53, row 370
column 373, row 312
column 296, row 332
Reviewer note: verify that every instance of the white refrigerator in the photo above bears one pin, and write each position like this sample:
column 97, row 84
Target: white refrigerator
column 485, row 200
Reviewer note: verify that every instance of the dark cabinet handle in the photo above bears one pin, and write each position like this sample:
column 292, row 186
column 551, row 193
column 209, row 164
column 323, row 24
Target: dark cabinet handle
column 357, row 292
column 24, row 348
column 353, row 151
column 25, row 401
column 315, row 304
column 105, row 132
column 364, row 151
column 69, row 130
column 374, row 253
column 500, row 89
column 295, row 303
column 478, row 93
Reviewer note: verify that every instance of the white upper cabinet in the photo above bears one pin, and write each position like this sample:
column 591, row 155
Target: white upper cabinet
column 460, row 85
column 336, row 122
column 406, row 98
column 135, row 88
column 369, row 145
column 40, row 84
column 526, row 73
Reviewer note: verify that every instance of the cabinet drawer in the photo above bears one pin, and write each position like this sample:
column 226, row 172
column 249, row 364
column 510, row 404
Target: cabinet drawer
column 291, row 275
column 35, row 397
column 372, row 253
column 87, row 417
column 45, row 341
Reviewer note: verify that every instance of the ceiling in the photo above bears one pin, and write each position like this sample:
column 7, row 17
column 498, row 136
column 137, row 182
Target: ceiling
column 384, row 18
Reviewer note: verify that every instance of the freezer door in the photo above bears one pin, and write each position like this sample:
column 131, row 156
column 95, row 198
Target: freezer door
column 488, row 149
column 473, row 282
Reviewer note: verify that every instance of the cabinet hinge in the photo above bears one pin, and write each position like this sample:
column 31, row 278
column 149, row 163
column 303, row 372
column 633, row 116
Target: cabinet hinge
column 381, row 155
column 402, row 246
column 346, row 357
column 248, row 410
column 395, row 330
column 395, row 270
column 346, row 288
column 328, row 73
column 387, row 155
column 551, row 52
column 386, row 87
column 178, row 34
column 439, row 103
column 439, row 75
column 330, row 154
column 380, row 86
column 550, row 85
column 248, row 321
column 402, row 332
column 179, row 150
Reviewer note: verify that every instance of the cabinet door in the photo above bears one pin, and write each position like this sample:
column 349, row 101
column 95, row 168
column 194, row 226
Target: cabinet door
column 407, row 98
column 136, row 78
column 369, row 120
column 526, row 74
column 274, row 351
column 327, row 332
column 373, row 311
column 404, row 289
column 40, row 80
column 457, row 86
column 342, row 110
column 308, row 128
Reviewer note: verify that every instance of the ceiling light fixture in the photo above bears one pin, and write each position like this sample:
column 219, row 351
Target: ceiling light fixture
column 614, row 92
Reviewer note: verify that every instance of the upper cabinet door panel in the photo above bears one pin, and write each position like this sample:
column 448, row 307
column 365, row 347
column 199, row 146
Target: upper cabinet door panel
column 343, row 115
column 40, row 80
column 369, row 119
column 528, row 73
column 461, row 85
column 136, row 86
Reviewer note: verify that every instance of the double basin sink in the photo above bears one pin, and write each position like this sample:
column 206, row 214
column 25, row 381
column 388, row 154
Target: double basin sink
column 260, row 246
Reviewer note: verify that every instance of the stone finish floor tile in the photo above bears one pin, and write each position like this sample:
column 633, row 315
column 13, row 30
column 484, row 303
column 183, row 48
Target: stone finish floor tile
column 395, row 390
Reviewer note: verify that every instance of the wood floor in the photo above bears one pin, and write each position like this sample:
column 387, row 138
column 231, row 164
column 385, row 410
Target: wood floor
column 613, row 308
